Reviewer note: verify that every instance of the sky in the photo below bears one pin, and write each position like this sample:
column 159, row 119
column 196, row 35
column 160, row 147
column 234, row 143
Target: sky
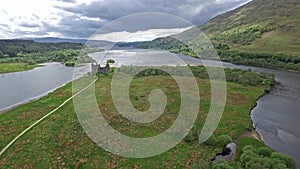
column 83, row 18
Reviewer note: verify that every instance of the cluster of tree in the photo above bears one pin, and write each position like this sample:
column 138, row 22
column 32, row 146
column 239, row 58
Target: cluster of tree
column 241, row 36
column 169, row 43
column 261, row 157
column 246, row 77
column 221, row 141
column 264, row 157
column 68, row 56
column 28, row 51
column 13, row 48
column 269, row 60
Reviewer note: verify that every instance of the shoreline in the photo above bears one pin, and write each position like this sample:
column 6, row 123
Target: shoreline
column 7, row 109
column 254, row 133
column 258, row 66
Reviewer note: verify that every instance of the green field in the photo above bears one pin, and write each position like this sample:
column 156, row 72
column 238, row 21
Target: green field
column 60, row 142
column 15, row 67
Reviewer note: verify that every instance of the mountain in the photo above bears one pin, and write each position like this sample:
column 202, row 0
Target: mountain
column 261, row 33
column 260, row 26
column 99, row 43
column 12, row 47
column 58, row 40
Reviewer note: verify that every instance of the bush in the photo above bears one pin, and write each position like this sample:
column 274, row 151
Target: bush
column 212, row 141
column 70, row 64
column 31, row 62
column 247, row 156
column 110, row 61
column 248, row 147
column 260, row 163
column 192, row 136
column 202, row 164
column 265, row 163
column 289, row 161
column 223, row 140
column 221, row 164
column 264, row 158
column 264, row 151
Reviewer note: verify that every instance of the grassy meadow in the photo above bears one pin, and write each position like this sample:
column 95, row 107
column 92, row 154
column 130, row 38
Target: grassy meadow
column 15, row 67
column 60, row 142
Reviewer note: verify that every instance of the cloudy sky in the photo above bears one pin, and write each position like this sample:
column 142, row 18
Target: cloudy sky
column 82, row 18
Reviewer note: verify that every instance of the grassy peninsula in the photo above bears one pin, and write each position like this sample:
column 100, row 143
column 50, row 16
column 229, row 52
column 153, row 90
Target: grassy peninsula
column 60, row 142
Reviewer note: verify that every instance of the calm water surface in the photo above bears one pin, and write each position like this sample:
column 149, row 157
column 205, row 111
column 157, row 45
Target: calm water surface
column 21, row 87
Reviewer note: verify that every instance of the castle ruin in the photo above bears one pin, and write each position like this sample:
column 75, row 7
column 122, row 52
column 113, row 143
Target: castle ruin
column 97, row 69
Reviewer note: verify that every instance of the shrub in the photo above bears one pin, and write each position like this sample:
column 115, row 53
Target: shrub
column 212, row 141
column 289, row 161
column 264, row 151
column 221, row 164
column 278, row 164
column 248, row 147
column 257, row 163
column 110, row 61
column 31, row 62
column 264, row 158
column 247, row 156
column 70, row 64
column 192, row 136
column 223, row 140
column 202, row 164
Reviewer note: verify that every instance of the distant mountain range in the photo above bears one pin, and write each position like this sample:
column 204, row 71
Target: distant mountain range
column 99, row 43
column 58, row 40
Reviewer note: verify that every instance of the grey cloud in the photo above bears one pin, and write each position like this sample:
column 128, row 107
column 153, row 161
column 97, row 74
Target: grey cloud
column 29, row 25
column 114, row 9
column 74, row 25
column 35, row 16
column 211, row 10
column 72, row 1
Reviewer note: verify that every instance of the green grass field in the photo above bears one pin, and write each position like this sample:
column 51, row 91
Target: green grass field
column 15, row 67
column 60, row 142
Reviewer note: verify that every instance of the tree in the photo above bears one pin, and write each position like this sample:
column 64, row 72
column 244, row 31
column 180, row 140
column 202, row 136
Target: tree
column 223, row 140
column 289, row 161
column 110, row 61
column 248, row 147
column 212, row 141
column 264, row 151
column 247, row 156
column 1, row 55
column 221, row 164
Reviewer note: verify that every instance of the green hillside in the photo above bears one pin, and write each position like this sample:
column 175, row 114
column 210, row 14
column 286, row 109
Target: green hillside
column 264, row 33
column 260, row 26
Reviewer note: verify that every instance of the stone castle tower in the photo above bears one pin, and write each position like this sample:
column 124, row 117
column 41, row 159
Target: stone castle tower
column 97, row 69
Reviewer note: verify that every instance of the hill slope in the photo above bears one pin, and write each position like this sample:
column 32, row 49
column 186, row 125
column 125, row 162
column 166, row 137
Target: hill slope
column 261, row 33
column 261, row 26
